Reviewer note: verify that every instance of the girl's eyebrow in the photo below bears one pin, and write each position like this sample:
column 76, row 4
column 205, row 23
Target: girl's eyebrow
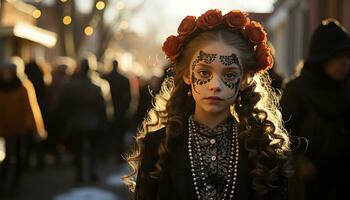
column 204, row 65
column 234, row 68
column 231, row 68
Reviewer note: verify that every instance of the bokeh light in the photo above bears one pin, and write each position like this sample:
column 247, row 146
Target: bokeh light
column 36, row 13
column 67, row 20
column 88, row 30
column 124, row 25
column 100, row 5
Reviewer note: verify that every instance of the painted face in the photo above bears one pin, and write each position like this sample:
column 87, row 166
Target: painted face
column 215, row 76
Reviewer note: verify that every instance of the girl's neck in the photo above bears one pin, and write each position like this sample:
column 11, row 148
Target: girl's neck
column 212, row 119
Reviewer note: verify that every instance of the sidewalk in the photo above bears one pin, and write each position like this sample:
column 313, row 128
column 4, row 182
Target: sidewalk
column 58, row 183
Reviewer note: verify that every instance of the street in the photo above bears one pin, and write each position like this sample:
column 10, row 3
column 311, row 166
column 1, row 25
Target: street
column 58, row 183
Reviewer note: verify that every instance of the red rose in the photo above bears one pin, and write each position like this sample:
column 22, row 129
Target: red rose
column 210, row 19
column 187, row 27
column 255, row 33
column 263, row 57
column 172, row 47
column 235, row 20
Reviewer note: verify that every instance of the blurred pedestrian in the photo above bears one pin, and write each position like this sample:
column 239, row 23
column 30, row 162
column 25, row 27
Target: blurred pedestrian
column 61, row 73
column 121, row 97
column 19, row 119
column 314, row 107
column 82, row 113
column 38, row 74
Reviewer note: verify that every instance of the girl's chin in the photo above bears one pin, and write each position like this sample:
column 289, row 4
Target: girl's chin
column 213, row 109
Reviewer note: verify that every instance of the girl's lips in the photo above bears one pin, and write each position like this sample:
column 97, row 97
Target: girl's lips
column 214, row 98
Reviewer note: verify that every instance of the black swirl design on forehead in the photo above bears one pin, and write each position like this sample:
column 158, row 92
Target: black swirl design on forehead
column 208, row 58
column 229, row 60
column 202, row 57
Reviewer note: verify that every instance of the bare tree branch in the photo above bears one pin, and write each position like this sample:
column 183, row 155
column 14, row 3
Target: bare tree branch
column 111, row 30
column 95, row 20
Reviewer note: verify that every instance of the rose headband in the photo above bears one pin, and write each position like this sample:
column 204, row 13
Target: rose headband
column 235, row 20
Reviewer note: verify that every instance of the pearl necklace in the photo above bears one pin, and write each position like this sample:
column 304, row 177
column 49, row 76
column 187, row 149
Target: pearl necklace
column 233, row 163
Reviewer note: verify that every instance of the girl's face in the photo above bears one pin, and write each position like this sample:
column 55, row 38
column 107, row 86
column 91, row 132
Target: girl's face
column 215, row 76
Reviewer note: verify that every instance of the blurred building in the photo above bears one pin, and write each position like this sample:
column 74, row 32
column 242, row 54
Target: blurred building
column 260, row 17
column 292, row 23
column 19, row 35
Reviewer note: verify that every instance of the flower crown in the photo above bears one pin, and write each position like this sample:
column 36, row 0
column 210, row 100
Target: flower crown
column 235, row 20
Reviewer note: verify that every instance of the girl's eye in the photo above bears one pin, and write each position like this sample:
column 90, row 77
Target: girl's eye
column 230, row 75
column 204, row 74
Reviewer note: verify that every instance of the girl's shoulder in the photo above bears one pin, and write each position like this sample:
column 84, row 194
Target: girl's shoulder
column 150, row 145
column 155, row 136
column 153, row 139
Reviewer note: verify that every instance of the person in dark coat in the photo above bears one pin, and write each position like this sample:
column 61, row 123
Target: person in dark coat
column 61, row 73
column 315, row 107
column 121, row 97
column 20, row 118
column 36, row 73
column 209, row 135
column 82, row 114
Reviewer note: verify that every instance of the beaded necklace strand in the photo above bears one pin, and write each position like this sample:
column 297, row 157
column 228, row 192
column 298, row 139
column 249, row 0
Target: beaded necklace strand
column 193, row 142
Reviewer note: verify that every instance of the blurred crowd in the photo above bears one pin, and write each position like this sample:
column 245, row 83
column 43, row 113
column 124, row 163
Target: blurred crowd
column 72, row 107
column 69, row 107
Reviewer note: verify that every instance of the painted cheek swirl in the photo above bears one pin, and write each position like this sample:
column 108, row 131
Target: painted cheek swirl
column 233, row 86
column 202, row 57
column 228, row 61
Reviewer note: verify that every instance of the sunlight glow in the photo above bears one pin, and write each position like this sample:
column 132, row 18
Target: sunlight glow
column 120, row 5
column 2, row 149
column 35, row 34
column 124, row 25
column 170, row 13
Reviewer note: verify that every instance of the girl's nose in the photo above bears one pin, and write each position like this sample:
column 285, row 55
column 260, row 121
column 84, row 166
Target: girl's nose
column 215, row 84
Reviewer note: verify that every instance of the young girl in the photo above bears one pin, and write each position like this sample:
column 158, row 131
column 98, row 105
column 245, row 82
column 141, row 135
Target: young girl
column 214, row 131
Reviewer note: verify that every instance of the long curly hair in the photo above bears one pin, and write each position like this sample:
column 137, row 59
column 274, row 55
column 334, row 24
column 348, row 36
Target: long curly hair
column 256, row 110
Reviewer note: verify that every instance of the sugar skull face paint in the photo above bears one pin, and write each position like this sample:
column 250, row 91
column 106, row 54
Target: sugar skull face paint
column 215, row 77
column 229, row 60
column 202, row 58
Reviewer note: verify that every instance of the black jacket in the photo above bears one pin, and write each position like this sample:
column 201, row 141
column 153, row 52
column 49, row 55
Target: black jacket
column 81, row 107
column 175, row 181
column 315, row 107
